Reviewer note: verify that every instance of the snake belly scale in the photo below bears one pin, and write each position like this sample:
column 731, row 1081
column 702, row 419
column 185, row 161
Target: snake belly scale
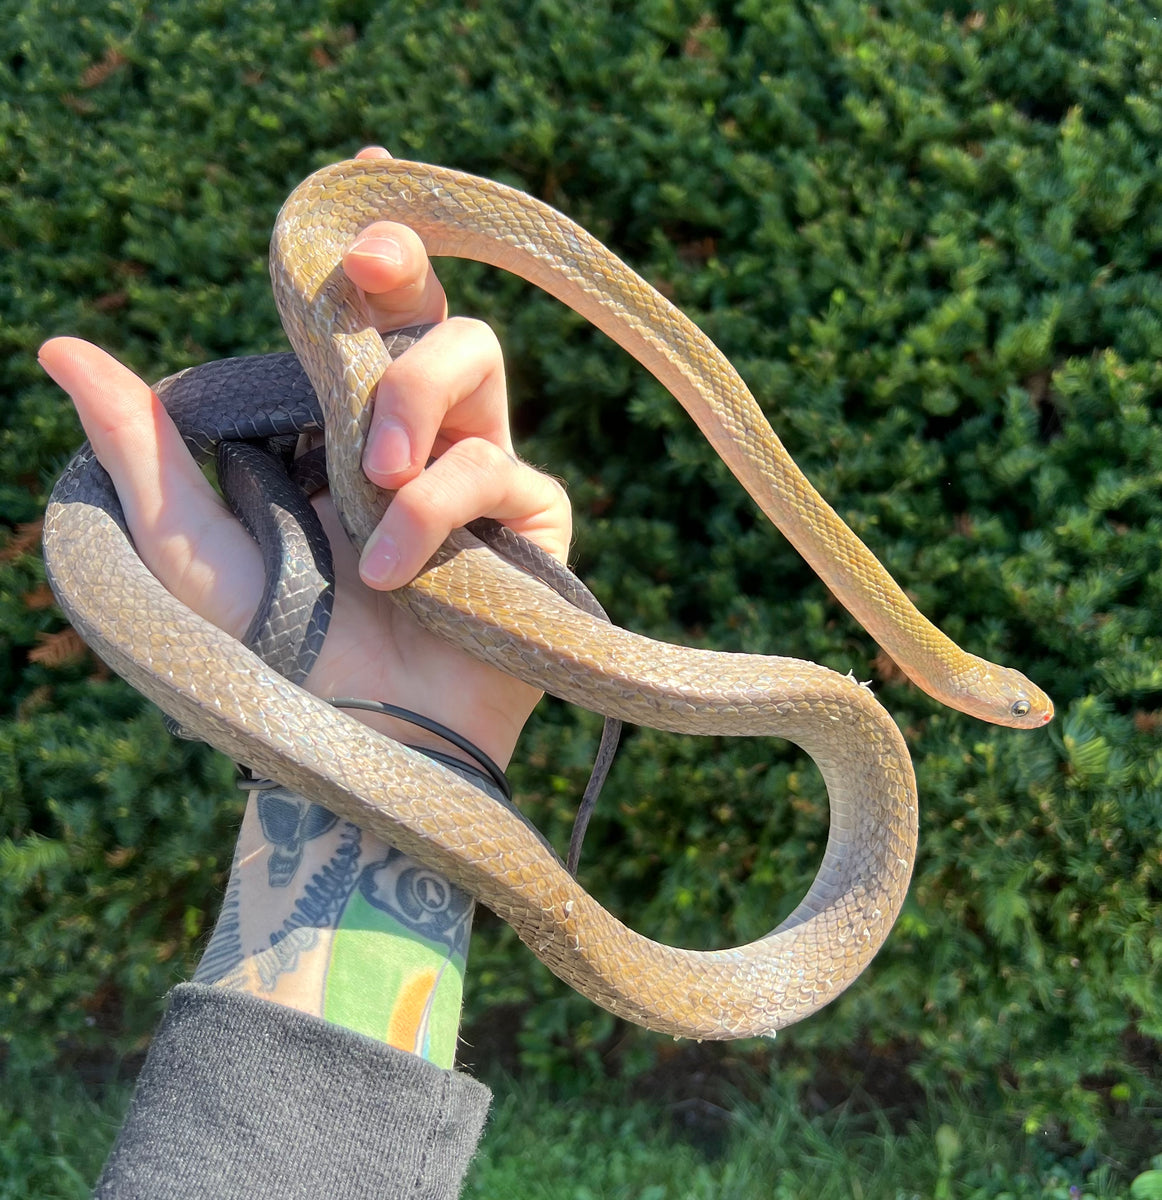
column 496, row 612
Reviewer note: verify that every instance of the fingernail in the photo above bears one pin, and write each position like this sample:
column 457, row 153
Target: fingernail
column 46, row 368
column 378, row 563
column 389, row 449
column 385, row 248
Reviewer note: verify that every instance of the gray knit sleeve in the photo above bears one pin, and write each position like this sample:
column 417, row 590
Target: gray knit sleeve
column 241, row 1098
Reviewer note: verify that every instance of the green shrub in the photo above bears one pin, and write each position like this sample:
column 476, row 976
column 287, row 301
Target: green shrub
column 929, row 238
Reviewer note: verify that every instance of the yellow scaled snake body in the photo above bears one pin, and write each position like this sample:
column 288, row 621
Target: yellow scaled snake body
column 498, row 613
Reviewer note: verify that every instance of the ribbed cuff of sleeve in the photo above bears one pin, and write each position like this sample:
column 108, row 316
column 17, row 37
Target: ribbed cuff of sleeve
column 240, row 1097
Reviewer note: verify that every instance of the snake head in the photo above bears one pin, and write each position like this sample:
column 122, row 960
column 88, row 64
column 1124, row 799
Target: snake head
column 1003, row 696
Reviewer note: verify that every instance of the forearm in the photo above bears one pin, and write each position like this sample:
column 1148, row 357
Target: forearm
column 324, row 917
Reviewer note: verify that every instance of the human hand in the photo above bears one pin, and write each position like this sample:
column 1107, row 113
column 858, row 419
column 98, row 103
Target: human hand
column 445, row 398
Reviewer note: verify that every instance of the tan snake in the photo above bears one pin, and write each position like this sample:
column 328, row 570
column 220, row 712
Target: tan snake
column 497, row 613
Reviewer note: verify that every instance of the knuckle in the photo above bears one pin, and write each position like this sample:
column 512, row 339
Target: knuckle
column 412, row 514
column 476, row 339
column 472, row 328
column 482, row 455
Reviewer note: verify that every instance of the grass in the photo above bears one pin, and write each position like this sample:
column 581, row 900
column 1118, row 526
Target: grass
column 597, row 1145
column 606, row 1150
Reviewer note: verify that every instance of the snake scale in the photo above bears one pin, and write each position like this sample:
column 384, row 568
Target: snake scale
column 499, row 614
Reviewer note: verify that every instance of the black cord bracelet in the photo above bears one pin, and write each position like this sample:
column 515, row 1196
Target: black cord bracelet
column 487, row 768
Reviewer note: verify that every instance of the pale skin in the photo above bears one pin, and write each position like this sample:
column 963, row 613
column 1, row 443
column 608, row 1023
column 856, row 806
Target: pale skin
column 445, row 399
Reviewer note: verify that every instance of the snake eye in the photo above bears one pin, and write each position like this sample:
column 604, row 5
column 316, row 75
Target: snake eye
column 1020, row 708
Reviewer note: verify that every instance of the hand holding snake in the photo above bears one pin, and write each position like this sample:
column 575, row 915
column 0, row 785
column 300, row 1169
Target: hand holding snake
column 450, row 394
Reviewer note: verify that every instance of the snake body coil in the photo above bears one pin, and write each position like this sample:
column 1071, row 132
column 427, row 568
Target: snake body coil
column 496, row 612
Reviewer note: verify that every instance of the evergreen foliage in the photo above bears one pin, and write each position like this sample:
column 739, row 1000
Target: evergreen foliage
column 929, row 237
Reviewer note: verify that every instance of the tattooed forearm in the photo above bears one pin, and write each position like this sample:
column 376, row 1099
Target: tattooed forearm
column 324, row 917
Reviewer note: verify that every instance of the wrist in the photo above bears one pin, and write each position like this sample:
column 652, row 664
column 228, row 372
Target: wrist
column 490, row 734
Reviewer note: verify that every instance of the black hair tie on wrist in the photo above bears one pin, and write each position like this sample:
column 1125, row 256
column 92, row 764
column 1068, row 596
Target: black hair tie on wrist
column 486, row 768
